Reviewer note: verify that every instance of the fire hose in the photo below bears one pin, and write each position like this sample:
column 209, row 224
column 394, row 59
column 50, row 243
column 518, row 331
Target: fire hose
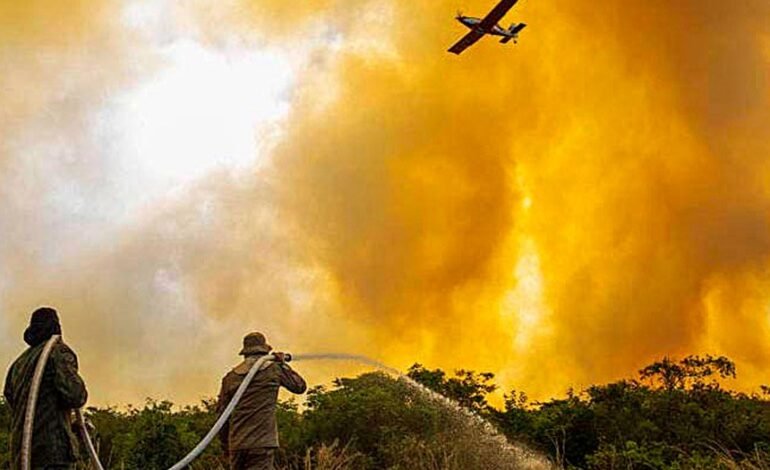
column 29, row 417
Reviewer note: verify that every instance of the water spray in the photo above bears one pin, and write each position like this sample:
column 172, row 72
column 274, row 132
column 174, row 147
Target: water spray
column 347, row 357
column 533, row 460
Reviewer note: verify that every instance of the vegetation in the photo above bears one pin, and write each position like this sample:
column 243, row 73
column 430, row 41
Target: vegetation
column 675, row 415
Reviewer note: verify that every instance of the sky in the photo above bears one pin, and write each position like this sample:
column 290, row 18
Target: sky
column 560, row 212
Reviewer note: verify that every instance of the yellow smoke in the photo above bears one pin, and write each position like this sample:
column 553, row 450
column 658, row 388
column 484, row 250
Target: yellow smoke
column 559, row 212
column 619, row 144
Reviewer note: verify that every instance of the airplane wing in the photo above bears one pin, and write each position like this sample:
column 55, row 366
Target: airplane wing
column 466, row 41
column 496, row 14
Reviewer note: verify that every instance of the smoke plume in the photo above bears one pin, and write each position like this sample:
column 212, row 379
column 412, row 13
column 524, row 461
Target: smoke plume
column 558, row 212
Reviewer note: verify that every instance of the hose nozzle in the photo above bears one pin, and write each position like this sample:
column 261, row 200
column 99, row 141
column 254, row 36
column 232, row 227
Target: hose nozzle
column 286, row 357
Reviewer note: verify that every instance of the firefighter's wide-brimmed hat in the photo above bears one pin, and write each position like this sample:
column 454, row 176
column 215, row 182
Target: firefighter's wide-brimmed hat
column 43, row 324
column 255, row 343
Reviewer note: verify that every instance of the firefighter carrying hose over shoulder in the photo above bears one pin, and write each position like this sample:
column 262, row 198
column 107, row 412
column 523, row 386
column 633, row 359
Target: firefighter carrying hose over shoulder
column 250, row 436
column 62, row 391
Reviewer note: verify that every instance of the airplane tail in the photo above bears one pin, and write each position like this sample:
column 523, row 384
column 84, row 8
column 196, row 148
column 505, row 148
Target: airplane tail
column 515, row 28
column 513, row 32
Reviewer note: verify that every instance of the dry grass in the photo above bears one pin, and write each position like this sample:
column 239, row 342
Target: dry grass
column 449, row 454
column 329, row 457
column 332, row 457
column 756, row 460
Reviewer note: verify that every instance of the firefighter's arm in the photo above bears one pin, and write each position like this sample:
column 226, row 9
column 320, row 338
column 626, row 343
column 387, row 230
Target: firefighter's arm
column 290, row 379
column 69, row 384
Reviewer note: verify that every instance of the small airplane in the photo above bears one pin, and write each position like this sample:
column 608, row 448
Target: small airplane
column 487, row 25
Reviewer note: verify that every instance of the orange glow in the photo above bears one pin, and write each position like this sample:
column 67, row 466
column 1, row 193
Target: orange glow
column 559, row 212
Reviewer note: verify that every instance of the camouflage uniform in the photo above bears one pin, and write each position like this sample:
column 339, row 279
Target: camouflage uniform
column 61, row 391
column 250, row 436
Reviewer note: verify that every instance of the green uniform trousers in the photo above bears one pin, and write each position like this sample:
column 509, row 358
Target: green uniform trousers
column 256, row 459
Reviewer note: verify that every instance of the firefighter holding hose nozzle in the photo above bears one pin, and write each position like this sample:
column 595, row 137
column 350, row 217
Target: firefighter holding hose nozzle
column 62, row 391
column 250, row 436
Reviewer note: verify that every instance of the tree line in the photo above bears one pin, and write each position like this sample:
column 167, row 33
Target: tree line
column 673, row 415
